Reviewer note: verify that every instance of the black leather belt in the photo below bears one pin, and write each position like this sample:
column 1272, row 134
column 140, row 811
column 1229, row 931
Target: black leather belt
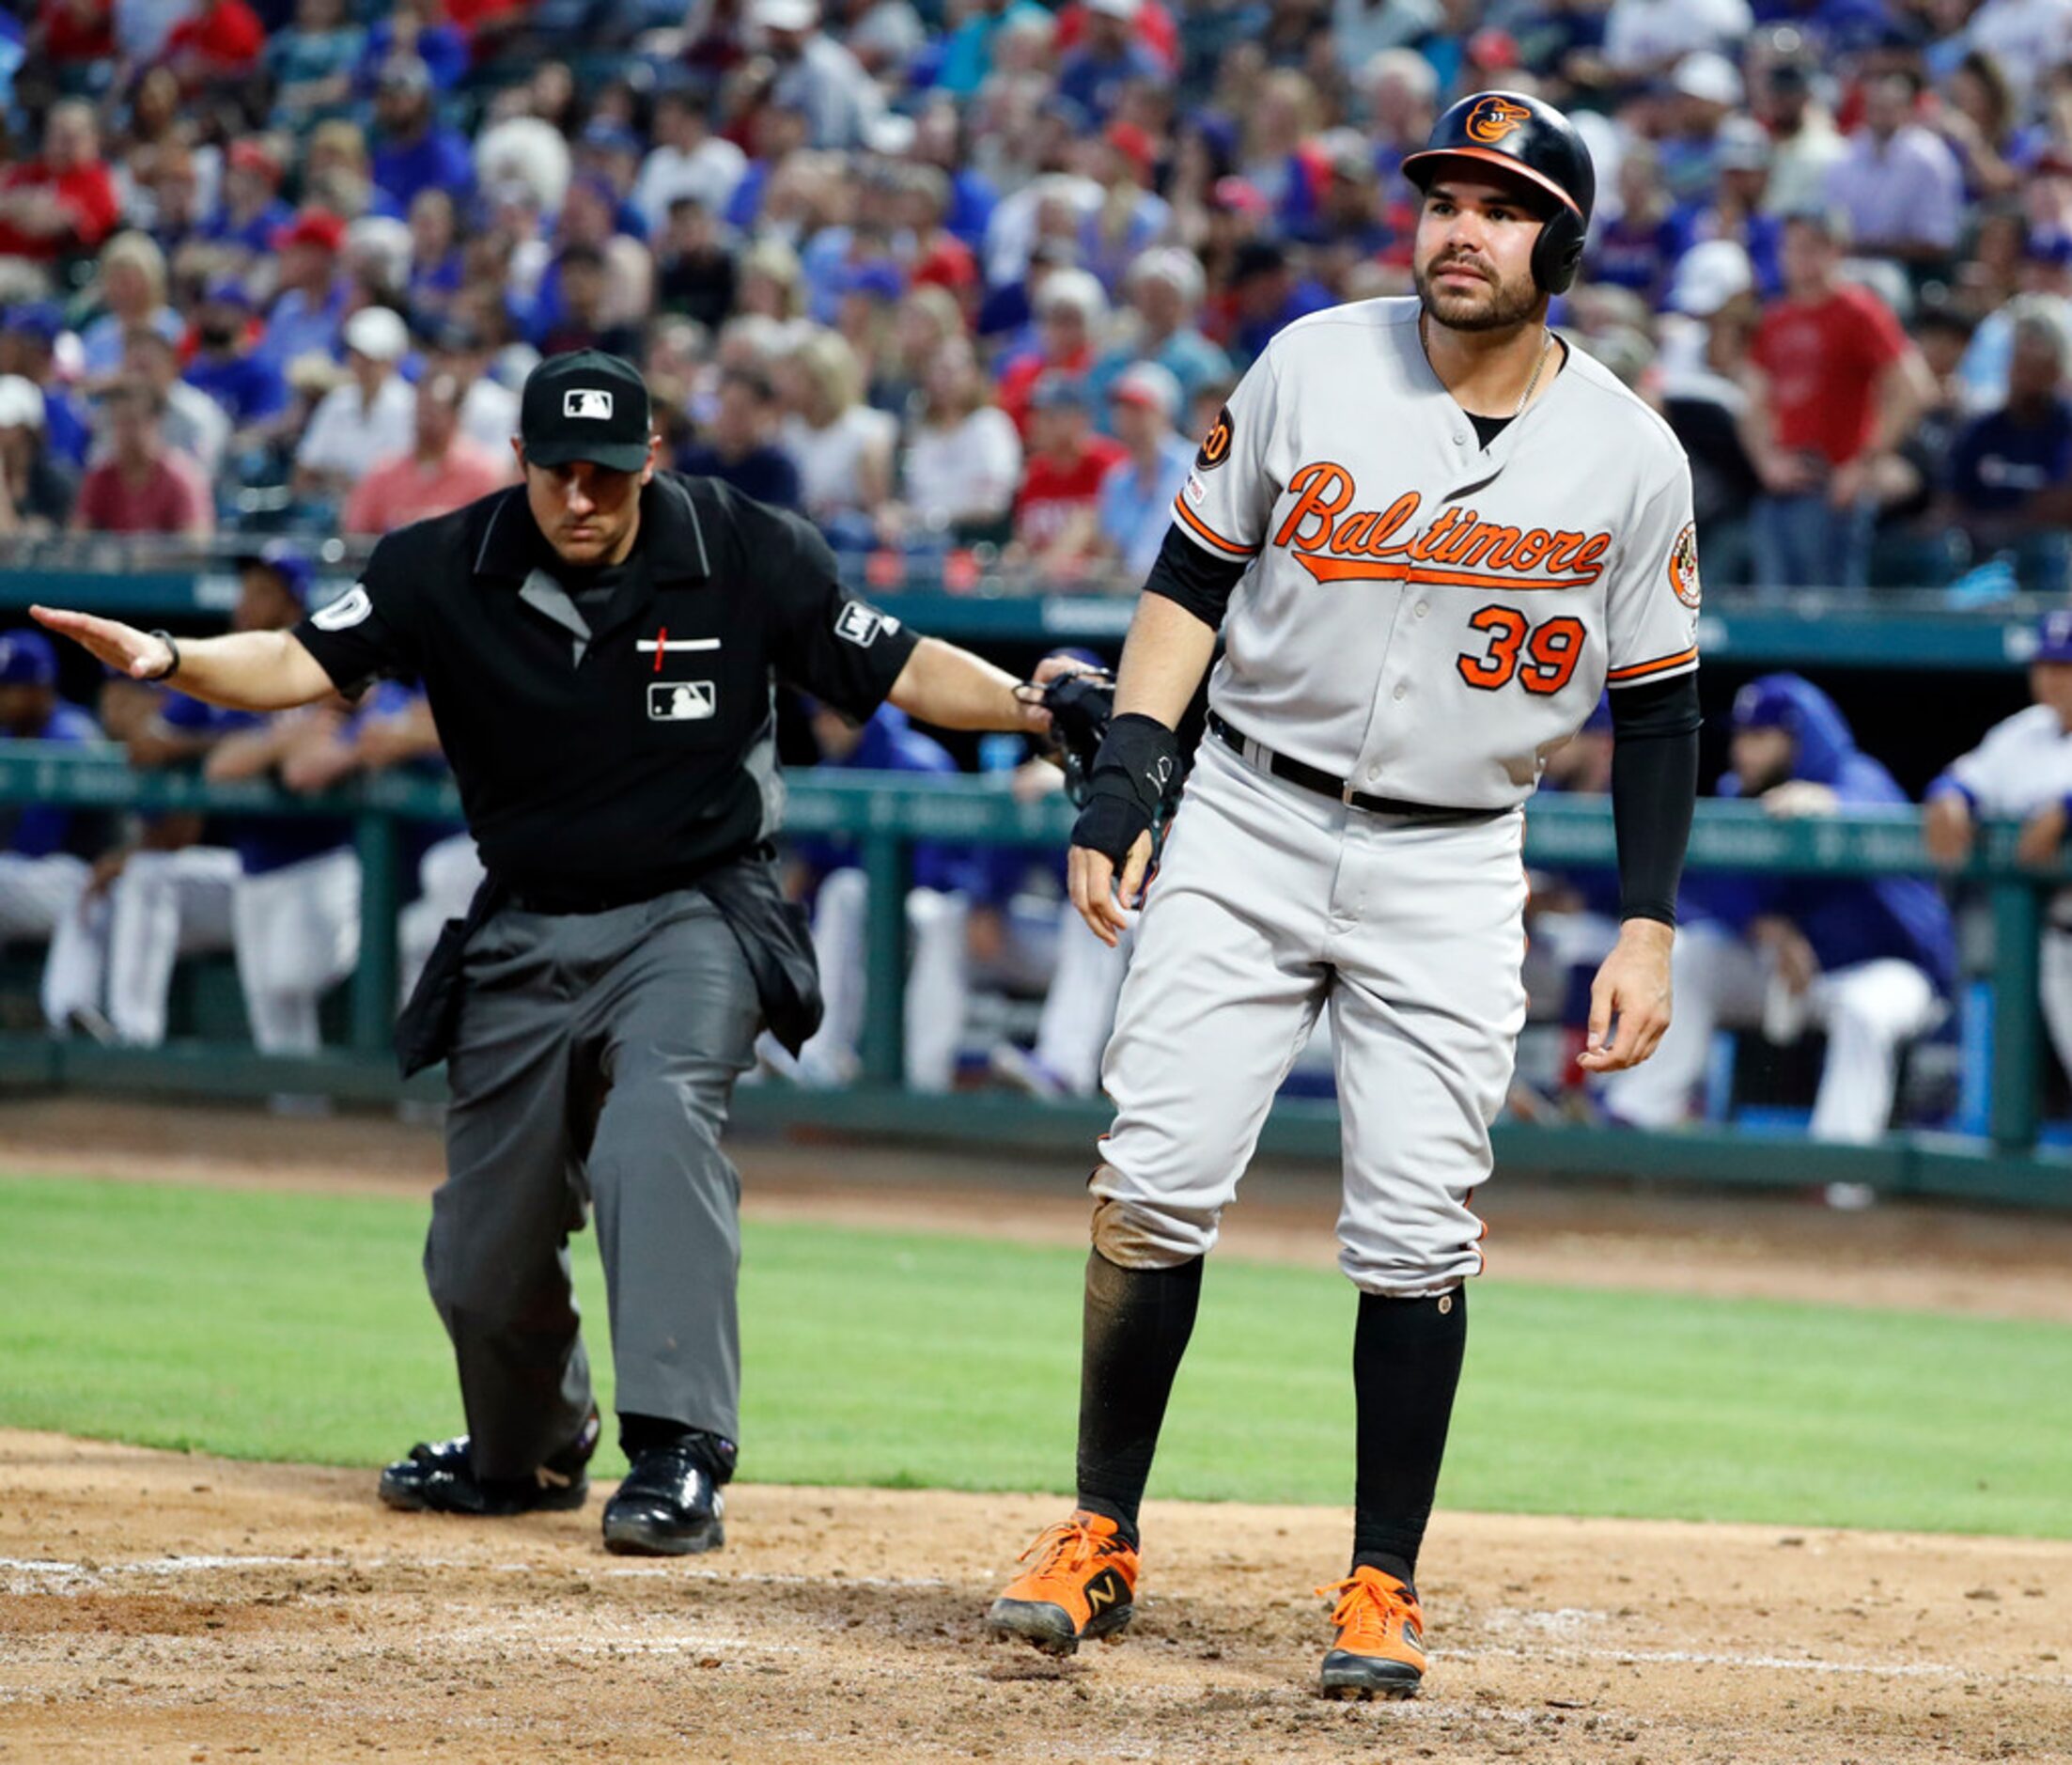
column 1324, row 784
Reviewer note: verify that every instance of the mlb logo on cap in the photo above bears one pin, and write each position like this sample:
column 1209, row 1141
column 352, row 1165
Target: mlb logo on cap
column 2054, row 636
column 585, row 405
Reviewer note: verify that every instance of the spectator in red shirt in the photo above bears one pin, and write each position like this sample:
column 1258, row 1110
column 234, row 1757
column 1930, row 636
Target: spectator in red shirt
column 1057, row 526
column 1836, row 388
column 60, row 205
column 442, row 469
column 142, row 486
column 74, row 31
column 1071, row 309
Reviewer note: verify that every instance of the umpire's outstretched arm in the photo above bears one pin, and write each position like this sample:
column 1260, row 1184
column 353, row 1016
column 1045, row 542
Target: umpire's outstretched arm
column 244, row 671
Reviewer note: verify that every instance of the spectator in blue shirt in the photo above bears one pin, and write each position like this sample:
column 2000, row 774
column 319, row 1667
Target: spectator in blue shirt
column 309, row 314
column 412, row 27
column 1164, row 288
column 413, row 151
column 249, row 387
column 132, row 287
column 251, row 211
column 738, row 445
column 2010, row 471
column 1135, row 506
column 1268, row 297
column 1108, row 60
column 28, row 345
column 312, row 63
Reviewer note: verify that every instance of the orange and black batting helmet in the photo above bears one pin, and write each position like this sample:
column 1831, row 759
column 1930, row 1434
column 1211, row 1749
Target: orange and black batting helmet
column 1530, row 138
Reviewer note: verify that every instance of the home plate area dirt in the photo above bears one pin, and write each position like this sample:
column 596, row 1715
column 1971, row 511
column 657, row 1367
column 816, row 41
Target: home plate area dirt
column 161, row 1608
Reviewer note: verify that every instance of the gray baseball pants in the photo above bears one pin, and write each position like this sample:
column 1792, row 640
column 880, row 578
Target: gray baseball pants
column 593, row 1065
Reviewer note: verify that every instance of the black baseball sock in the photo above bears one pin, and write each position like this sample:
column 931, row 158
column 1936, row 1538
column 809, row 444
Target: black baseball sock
column 1136, row 1328
column 1406, row 1365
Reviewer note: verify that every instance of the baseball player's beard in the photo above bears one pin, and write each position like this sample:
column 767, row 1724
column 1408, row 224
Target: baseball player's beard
column 1499, row 306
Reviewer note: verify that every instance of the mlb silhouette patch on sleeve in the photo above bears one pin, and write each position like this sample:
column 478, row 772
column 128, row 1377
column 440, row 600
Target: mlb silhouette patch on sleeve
column 861, row 624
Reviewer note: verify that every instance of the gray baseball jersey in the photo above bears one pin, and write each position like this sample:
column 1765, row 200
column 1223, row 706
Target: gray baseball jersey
column 1424, row 617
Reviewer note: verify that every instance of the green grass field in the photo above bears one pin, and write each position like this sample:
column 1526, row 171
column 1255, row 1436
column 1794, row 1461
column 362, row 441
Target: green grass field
column 296, row 1327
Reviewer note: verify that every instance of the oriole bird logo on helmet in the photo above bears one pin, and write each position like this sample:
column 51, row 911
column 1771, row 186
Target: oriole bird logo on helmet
column 1493, row 119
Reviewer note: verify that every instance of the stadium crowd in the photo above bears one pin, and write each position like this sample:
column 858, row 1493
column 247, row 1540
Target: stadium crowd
column 958, row 279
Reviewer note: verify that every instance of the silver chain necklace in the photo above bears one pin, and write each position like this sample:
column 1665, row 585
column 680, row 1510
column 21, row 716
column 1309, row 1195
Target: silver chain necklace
column 1540, row 363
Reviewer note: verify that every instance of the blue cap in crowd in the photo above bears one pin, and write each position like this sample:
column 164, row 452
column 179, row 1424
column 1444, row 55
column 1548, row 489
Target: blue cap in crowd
column 1765, row 704
column 1059, row 391
column 879, row 278
column 34, row 318
column 612, row 136
column 287, row 561
column 26, row 659
column 2054, row 636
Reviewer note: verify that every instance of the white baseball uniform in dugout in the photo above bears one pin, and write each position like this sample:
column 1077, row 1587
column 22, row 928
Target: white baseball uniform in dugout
column 1422, row 619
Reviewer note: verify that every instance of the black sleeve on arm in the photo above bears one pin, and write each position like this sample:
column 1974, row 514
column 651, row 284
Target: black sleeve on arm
column 1654, row 790
column 1186, row 573
column 823, row 639
column 369, row 632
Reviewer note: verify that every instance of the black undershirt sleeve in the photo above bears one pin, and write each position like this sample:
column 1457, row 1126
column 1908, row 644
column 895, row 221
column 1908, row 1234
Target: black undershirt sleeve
column 1654, row 790
column 1201, row 584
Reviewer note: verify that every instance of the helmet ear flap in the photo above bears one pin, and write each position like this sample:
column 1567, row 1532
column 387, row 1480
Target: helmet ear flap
column 1557, row 253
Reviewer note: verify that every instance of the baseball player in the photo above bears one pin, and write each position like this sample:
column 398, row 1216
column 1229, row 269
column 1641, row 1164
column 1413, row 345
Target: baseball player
column 44, row 874
column 1431, row 533
column 938, row 994
column 2022, row 770
column 1868, row 959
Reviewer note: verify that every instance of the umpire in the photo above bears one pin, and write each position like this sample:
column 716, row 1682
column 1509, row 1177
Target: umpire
column 598, row 646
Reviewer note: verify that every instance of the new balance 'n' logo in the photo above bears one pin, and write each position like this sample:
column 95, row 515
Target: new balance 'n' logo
column 1106, row 1589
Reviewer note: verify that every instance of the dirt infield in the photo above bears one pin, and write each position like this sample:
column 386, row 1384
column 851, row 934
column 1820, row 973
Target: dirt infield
column 161, row 1608
column 165, row 1608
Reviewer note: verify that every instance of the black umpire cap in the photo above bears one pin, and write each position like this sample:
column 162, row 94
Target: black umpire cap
column 585, row 405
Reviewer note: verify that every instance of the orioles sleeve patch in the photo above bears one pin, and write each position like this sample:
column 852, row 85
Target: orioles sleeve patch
column 1683, row 566
column 1216, row 444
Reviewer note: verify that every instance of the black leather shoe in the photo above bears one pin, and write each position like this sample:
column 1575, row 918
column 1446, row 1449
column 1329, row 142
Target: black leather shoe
column 669, row 1506
column 438, row 1478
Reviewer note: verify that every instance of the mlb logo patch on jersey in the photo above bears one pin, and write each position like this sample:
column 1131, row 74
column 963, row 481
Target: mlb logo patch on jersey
column 595, row 404
column 681, row 701
column 1683, row 566
column 861, row 624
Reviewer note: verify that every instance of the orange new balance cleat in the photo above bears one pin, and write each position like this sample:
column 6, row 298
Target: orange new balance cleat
column 1078, row 1587
column 1380, row 1649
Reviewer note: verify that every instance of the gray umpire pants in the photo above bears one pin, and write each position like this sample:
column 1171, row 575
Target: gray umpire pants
column 593, row 1062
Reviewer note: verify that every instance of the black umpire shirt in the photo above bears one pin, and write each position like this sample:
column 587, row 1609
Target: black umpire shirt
column 612, row 732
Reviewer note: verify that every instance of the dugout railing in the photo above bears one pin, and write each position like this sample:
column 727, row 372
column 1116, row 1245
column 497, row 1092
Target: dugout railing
column 195, row 586
column 885, row 814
